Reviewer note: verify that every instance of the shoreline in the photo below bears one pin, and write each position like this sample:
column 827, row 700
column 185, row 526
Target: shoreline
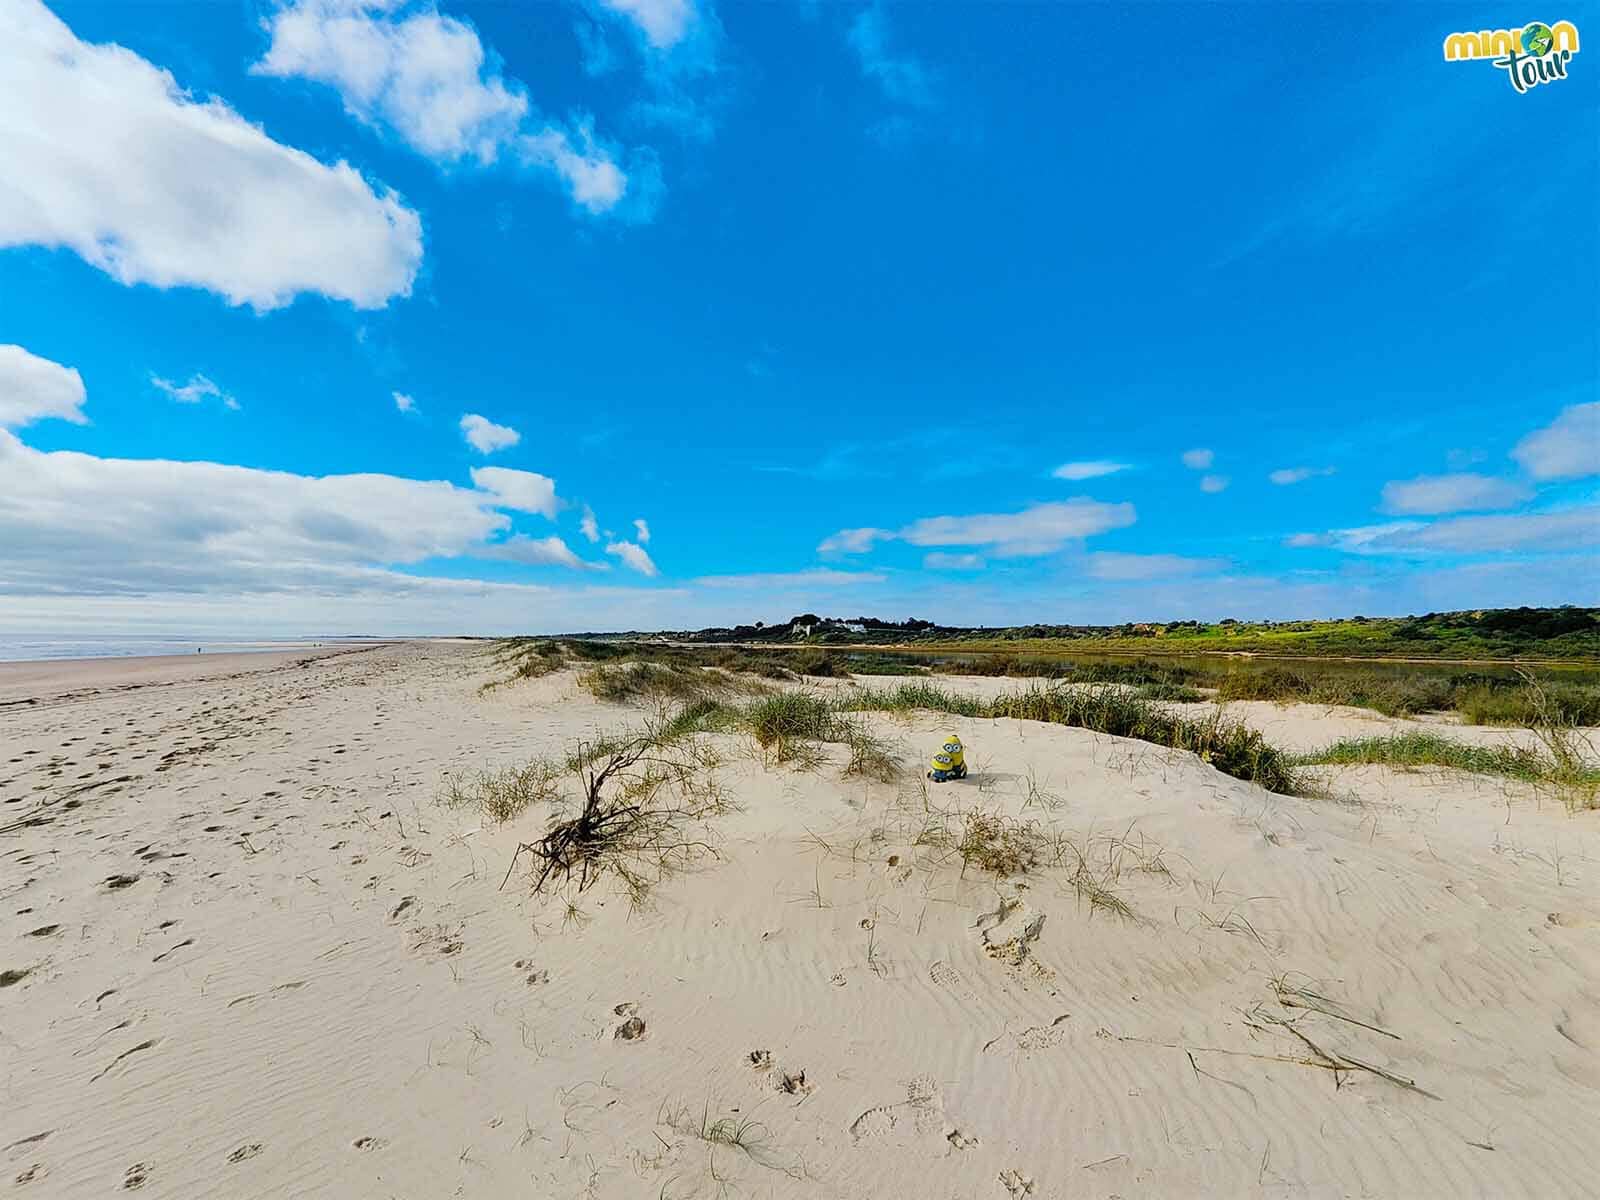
column 26, row 683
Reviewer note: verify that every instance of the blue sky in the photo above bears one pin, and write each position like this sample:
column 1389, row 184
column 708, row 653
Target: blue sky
column 983, row 314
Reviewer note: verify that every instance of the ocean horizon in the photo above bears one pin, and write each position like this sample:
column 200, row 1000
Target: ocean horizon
column 49, row 647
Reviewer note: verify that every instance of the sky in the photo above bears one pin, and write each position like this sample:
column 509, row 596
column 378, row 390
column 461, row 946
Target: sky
column 379, row 316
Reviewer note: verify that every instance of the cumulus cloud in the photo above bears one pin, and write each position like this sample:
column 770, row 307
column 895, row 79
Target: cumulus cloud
column 1111, row 565
column 1567, row 448
column 642, row 529
column 820, row 577
column 521, row 491
column 78, row 523
column 593, row 179
column 587, row 525
column 633, row 556
column 484, row 436
column 404, row 402
column 1040, row 529
column 193, row 392
column 546, row 551
column 1214, row 483
column 1088, row 470
column 1290, row 475
column 106, row 155
column 36, row 389
column 1432, row 494
column 942, row 560
column 1199, row 460
column 429, row 78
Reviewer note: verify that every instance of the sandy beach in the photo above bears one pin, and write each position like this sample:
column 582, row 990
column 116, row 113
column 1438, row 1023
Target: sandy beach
column 247, row 952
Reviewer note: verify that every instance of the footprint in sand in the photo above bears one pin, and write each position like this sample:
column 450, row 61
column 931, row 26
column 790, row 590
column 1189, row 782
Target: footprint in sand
column 917, row 1118
column 248, row 1150
column 1010, row 931
column 136, row 1176
column 30, row 1173
column 369, row 1143
column 947, row 977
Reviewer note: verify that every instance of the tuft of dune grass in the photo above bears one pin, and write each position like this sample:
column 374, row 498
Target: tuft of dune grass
column 1229, row 746
column 1577, row 782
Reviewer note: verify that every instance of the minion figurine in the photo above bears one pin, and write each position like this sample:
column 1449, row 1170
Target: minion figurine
column 949, row 761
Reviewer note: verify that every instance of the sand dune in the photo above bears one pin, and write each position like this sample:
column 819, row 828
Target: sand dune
column 248, row 954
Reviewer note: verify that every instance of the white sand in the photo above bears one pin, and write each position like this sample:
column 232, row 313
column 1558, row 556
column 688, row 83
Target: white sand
column 312, row 986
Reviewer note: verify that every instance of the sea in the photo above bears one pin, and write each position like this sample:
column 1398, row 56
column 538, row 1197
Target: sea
column 39, row 647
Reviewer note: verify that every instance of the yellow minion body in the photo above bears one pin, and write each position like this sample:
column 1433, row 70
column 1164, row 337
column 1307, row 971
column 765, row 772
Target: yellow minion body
column 948, row 762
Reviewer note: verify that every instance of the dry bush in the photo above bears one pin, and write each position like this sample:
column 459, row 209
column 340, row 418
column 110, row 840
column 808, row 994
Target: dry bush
column 1000, row 845
column 641, row 796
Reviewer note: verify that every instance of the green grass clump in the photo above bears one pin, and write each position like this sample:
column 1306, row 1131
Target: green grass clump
column 631, row 682
column 1558, row 766
column 502, row 795
column 1431, row 750
column 909, row 696
column 1229, row 746
column 791, row 716
column 1175, row 693
column 1500, row 705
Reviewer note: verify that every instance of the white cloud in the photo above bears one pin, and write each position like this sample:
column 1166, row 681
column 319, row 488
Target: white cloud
column 36, row 389
column 820, row 577
column 941, row 560
column 421, row 74
column 901, row 77
column 1567, row 448
column 593, row 178
column 484, row 436
column 1289, row 475
column 587, row 526
column 108, row 156
column 1214, row 483
column 428, row 77
column 1563, row 530
column 633, row 555
column 521, row 491
column 642, row 529
column 197, row 389
column 852, row 541
column 1430, row 494
column 1041, row 529
column 1088, row 470
column 1199, row 460
column 664, row 23
column 404, row 402
column 76, row 523
column 547, row 551
column 1303, row 540
column 1110, row 565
